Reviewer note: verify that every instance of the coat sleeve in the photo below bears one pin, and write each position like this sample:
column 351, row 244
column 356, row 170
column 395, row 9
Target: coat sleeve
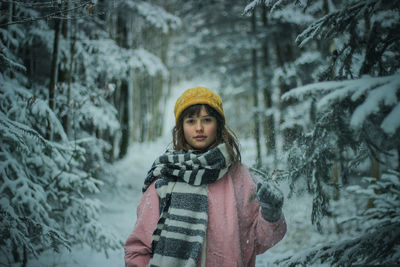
column 138, row 245
column 252, row 223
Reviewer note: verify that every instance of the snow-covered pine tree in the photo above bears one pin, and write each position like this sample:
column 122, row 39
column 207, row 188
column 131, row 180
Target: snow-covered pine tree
column 47, row 191
column 48, row 188
column 356, row 119
column 44, row 193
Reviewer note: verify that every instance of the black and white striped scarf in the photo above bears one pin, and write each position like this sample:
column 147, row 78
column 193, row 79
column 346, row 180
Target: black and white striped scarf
column 182, row 188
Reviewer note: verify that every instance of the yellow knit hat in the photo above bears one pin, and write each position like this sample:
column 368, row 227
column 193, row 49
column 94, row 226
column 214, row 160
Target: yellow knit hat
column 198, row 95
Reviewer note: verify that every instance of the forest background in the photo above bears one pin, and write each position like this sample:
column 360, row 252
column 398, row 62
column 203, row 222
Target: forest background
column 314, row 85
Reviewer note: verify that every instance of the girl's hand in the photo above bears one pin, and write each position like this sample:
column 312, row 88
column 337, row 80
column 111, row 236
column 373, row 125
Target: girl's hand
column 270, row 198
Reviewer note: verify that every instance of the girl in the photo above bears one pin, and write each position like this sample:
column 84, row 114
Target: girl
column 198, row 207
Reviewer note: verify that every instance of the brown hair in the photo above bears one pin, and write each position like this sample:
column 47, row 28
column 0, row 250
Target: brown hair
column 224, row 134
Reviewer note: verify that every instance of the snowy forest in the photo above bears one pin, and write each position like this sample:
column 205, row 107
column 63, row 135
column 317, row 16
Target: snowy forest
column 87, row 88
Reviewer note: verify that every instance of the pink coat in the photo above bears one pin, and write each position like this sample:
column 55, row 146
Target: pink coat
column 236, row 230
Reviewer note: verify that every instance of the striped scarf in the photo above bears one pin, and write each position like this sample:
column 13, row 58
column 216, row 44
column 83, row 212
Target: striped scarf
column 182, row 188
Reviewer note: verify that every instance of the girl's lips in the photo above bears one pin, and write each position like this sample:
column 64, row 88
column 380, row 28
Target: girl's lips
column 199, row 138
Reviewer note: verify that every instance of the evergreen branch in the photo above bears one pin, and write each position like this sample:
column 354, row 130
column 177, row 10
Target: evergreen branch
column 353, row 251
column 29, row 4
column 53, row 15
column 25, row 129
column 381, row 229
column 10, row 63
column 334, row 23
column 71, row 157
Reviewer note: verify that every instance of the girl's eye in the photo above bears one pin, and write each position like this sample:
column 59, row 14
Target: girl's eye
column 208, row 119
column 190, row 121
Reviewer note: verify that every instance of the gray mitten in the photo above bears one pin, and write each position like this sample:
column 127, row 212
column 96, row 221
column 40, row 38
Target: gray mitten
column 270, row 198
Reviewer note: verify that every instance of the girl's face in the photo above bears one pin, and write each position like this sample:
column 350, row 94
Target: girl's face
column 200, row 131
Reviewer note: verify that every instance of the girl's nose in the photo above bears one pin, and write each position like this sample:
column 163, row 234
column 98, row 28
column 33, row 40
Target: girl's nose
column 199, row 126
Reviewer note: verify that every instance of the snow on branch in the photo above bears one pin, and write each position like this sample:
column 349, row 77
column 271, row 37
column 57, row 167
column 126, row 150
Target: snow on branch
column 250, row 6
column 379, row 239
column 352, row 251
column 155, row 15
column 58, row 12
column 392, row 122
column 371, row 95
column 15, row 129
column 272, row 4
column 44, row 187
column 144, row 60
column 292, row 14
column 118, row 61
column 92, row 107
column 8, row 40
column 359, row 115
column 158, row 17
column 343, row 20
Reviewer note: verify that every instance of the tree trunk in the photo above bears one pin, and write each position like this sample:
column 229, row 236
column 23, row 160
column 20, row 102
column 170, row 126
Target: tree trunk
column 25, row 258
column 11, row 12
column 124, row 119
column 129, row 106
column 255, row 93
column 54, row 61
column 68, row 32
column 269, row 125
column 67, row 118
column 53, row 72
column 371, row 54
column 398, row 158
column 268, row 121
